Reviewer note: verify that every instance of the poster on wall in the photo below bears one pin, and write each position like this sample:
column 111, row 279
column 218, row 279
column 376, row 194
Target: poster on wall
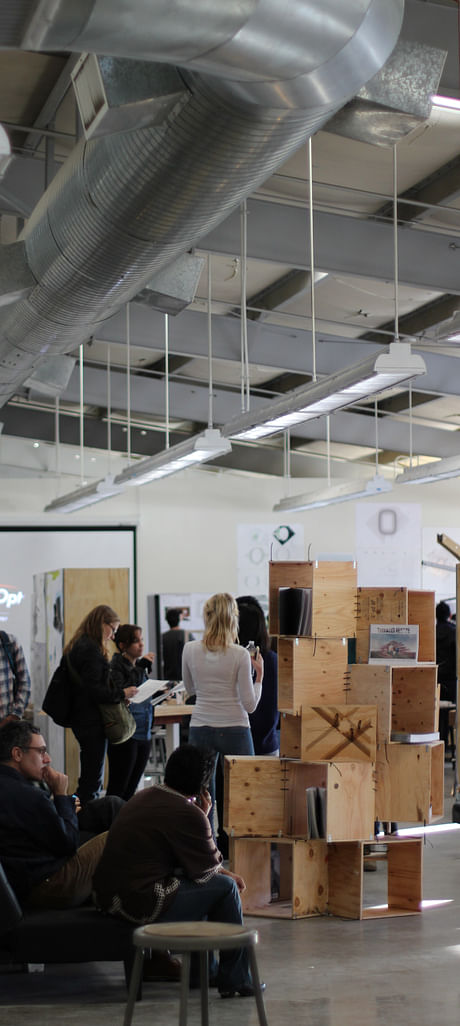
column 389, row 544
column 439, row 566
column 257, row 544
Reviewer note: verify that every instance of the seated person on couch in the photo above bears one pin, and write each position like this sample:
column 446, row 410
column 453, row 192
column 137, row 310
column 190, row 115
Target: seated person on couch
column 160, row 862
column 39, row 832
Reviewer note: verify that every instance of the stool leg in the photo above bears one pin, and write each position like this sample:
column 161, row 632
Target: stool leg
column 204, row 988
column 184, row 988
column 134, row 986
column 257, row 991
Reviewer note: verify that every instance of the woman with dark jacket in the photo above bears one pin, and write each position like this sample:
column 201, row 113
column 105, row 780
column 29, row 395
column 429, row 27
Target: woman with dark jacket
column 264, row 719
column 92, row 686
column 129, row 668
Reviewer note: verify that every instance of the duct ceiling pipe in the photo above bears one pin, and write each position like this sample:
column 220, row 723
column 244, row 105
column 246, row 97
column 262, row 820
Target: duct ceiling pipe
column 125, row 205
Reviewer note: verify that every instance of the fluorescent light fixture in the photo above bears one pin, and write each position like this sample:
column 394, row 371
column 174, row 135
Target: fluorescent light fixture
column 85, row 496
column 331, row 496
column 193, row 451
column 332, row 393
column 438, row 470
column 446, row 101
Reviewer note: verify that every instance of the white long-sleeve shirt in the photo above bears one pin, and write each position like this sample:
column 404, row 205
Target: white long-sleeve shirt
column 222, row 683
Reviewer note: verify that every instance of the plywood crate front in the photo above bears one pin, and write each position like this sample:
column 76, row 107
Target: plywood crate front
column 311, row 671
column 303, row 876
column 422, row 610
column 405, row 696
column 268, row 798
column 337, row 733
column 410, row 782
column 403, row 857
column 377, row 605
column 333, row 587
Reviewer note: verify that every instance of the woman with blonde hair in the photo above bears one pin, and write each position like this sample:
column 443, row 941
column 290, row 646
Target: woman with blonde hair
column 219, row 673
column 91, row 686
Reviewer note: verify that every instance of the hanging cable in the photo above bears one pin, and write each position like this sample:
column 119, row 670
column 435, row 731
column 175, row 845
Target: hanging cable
column 411, row 448
column 395, row 241
column 166, row 381
column 109, row 413
column 210, row 407
column 328, row 449
column 245, row 398
column 287, row 455
column 57, row 439
column 376, row 437
column 128, row 380
column 312, row 259
column 82, row 446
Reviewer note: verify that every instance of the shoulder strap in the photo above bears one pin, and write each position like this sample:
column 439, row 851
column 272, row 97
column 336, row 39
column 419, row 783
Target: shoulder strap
column 9, row 655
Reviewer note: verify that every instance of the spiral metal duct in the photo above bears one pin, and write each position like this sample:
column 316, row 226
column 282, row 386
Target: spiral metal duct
column 260, row 78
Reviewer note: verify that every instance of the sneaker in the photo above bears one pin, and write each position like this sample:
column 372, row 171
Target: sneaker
column 246, row 990
column 161, row 968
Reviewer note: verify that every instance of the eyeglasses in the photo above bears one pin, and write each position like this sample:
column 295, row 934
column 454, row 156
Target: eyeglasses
column 42, row 749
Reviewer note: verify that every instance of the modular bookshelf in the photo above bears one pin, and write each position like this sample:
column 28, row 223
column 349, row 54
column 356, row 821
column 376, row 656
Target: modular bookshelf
column 340, row 768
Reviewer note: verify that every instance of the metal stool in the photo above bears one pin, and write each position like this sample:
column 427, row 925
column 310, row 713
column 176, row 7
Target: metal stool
column 202, row 936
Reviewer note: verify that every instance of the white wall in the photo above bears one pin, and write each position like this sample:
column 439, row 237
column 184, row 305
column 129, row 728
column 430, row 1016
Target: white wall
column 187, row 524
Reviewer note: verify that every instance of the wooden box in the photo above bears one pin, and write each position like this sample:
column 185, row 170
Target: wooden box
column 422, row 610
column 404, row 878
column 311, row 671
column 303, row 876
column 410, row 782
column 268, row 797
column 340, row 733
column 377, row 605
column 405, row 696
column 333, row 595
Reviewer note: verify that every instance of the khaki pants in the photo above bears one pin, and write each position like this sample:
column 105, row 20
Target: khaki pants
column 72, row 884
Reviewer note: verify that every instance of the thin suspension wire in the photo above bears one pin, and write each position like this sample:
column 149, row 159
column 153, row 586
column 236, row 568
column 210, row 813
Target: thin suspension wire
column 128, row 380
column 287, row 455
column 395, row 241
column 328, row 449
column 411, row 446
column 82, row 436
column 376, row 436
column 57, row 439
column 312, row 258
column 245, row 398
column 210, row 406
column 166, row 381
column 109, row 412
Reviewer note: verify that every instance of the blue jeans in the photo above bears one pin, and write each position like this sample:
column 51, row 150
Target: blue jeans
column 224, row 741
column 219, row 901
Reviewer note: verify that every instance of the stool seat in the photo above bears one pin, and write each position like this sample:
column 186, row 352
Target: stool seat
column 185, row 937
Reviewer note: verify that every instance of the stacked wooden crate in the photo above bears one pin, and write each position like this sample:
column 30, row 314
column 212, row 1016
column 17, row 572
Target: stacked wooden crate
column 336, row 724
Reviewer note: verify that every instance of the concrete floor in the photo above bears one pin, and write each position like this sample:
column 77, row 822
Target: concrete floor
column 319, row 972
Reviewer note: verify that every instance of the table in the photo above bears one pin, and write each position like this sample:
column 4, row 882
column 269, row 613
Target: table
column 171, row 715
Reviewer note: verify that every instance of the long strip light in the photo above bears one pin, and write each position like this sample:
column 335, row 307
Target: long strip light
column 332, row 393
column 331, row 496
column 199, row 449
column 93, row 493
column 438, row 470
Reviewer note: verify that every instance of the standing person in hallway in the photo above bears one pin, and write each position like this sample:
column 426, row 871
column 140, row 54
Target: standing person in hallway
column 172, row 643
column 129, row 667
column 264, row 719
column 446, row 658
column 14, row 679
column 219, row 673
column 92, row 686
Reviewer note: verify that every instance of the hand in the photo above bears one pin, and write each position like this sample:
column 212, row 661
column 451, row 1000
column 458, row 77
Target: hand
column 238, row 879
column 57, row 782
column 150, row 656
column 258, row 666
column 76, row 803
column 204, row 801
column 129, row 693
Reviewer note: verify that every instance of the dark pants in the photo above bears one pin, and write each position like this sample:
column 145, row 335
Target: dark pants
column 127, row 763
column 224, row 741
column 93, row 747
column 219, row 901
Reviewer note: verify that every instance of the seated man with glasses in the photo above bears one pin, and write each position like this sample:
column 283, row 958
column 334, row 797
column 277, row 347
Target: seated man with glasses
column 39, row 832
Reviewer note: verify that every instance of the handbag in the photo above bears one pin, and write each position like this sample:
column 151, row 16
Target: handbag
column 119, row 723
column 57, row 702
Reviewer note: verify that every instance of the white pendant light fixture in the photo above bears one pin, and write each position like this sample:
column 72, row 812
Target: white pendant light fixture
column 359, row 489
column 93, row 493
column 428, row 473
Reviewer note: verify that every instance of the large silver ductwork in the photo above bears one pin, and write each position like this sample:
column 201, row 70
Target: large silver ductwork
column 242, row 85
